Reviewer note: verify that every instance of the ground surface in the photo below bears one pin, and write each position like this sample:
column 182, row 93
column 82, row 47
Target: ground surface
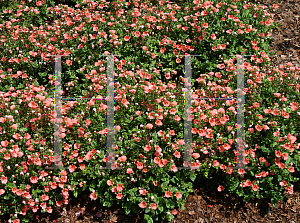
column 205, row 205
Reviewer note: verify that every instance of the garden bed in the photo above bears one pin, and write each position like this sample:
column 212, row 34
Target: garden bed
column 206, row 205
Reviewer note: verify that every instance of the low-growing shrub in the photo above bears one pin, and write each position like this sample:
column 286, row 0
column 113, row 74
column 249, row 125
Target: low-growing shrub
column 149, row 106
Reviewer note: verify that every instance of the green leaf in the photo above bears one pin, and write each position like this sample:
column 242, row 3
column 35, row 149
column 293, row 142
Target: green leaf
column 127, row 211
column 160, row 208
column 172, row 204
column 11, row 185
column 147, row 210
column 154, row 137
column 107, row 204
column 75, row 193
column 265, row 150
column 148, row 218
column 173, row 180
column 193, row 178
column 181, row 206
column 170, row 217
column 168, row 204
column 51, row 202
column 21, row 86
column 274, row 202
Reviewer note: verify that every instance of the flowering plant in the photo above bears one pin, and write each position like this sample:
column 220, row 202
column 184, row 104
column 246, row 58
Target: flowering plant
column 149, row 111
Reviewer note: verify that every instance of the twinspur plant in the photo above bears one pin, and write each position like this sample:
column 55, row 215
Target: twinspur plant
column 149, row 112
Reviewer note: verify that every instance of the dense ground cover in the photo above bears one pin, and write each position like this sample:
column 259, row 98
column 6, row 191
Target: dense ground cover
column 86, row 85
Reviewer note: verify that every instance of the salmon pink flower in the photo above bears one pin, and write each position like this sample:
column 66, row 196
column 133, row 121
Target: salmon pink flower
column 174, row 212
column 213, row 36
column 177, row 154
column 285, row 156
column 4, row 143
column 129, row 171
column 255, row 187
column 174, row 168
column 45, row 197
column 4, row 180
column 220, row 188
column 137, row 34
column 204, row 25
column 291, row 169
column 82, row 166
column 14, row 126
column 6, row 156
column 277, row 153
column 119, row 196
column 168, row 194
column 2, row 191
column 247, row 183
column 19, row 192
column 122, row 159
column 140, row 165
column 33, row 179
column 34, row 209
column 173, row 111
column 143, row 192
column 69, row 62
column 166, row 103
column 160, row 133
column 258, row 128
column 177, row 118
column 241, row 171
column 153, row 206
column 53, row 185
column 120, row 187
column 216, row 163
column 262, row 159
column 277, row 95
column 178, row 195
column 181, row 142
column 149, row 126
column 158, row 122
column 290, row 189
column 93, row 196
column 143, row 204
column 292, row 138
column 49, row 210
column 39, row 3
column 283, row 183
column 110, row 182
column 196, row 155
